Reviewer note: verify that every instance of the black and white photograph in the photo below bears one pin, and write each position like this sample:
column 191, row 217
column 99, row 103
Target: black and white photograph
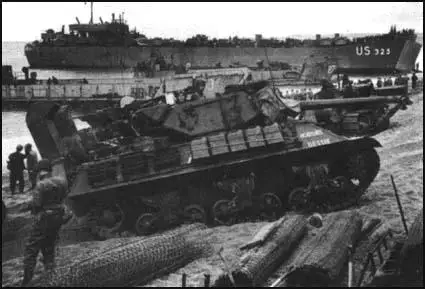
column 212, row 144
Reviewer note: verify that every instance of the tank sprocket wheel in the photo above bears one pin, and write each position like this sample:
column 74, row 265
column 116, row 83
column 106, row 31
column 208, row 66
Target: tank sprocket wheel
column 223, row 213
column 194, row 214
column 298, row 199
column 342, row 185
column 360, row 170
column 108, row 219
column 145, row 224
column 271, row 205
column 365, row 124
column 336, row 195
column 363, row 168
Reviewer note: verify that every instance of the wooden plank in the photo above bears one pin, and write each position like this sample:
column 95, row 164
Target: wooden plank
column 199, row 148
column 236, row 141
column 254, row 137
column 218, row 144
column 272, row 134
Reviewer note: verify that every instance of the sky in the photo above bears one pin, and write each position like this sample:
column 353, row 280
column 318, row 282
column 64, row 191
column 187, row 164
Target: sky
column 25, row 21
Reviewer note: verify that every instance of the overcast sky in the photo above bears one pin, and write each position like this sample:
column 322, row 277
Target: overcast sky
column 23, row 21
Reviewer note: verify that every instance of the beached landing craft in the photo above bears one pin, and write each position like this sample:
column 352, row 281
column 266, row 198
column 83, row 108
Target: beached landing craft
column 113, row 45
column 241, row 154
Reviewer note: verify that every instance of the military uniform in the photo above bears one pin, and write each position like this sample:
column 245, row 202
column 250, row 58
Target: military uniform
column 49, row 216
column 414, row 80
column 16, row 166
column 32, row 160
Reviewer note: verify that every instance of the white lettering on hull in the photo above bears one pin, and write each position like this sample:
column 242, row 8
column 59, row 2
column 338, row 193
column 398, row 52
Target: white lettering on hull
column 312, row 133
column 368, row 51
column 318, row 142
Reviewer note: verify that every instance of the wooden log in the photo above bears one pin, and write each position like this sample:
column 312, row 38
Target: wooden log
column 263, row 234
column 318, row 260
column 259, row 262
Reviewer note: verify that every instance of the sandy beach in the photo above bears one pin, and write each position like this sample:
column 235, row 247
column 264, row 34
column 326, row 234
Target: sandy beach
column 401, row 156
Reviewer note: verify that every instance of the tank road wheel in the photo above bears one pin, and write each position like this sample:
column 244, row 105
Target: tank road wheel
column 271, row 206
column 194, row 214
column 223, row 213
column 145, row 224
column 108, row 220
column 298, row 199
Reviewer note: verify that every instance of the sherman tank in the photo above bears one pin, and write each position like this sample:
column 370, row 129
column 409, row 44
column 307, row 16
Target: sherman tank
column 238, row 157
column 353, row 116
column 356, row 110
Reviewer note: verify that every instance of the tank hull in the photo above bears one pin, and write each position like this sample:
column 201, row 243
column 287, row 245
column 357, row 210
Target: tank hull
column 375, row 56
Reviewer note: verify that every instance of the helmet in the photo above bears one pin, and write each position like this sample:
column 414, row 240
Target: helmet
column 44, row 165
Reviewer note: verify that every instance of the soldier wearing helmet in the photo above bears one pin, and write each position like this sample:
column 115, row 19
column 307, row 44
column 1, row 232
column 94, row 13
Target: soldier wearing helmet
column 49, row 215
column 16, row 166
column 32, row 160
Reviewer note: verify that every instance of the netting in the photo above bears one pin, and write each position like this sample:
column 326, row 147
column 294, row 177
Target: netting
column 133, row 261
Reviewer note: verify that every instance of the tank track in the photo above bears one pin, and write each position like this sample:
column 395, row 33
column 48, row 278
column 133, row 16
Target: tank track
column 263, row 190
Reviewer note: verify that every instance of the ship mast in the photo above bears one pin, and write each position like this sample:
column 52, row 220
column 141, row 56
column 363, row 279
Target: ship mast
column 91, row 12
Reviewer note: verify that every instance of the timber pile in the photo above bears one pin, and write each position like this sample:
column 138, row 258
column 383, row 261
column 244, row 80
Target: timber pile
column 318, row 260
column 262, row 257
column 133, row 261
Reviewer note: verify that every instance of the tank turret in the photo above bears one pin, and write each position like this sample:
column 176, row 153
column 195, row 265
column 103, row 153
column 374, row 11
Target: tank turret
column 241, row 156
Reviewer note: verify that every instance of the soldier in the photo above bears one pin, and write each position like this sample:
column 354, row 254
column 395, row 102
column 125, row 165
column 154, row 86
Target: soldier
column 345, row 80
column 49, row 216
column 16, row 167
column 399, row 80
column 348, row 90
column 379, row 82
column 32, row 160
column 414, row 80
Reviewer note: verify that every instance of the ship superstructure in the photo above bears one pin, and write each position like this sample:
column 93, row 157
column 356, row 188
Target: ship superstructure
column 113, row 45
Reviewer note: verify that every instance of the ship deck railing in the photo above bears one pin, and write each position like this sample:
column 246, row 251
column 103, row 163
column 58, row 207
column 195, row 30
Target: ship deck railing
column 137, row 88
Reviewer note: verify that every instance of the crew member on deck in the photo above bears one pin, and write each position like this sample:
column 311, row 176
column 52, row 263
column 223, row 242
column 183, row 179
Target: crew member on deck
column 345, row 80
column 379, row 82
column 399, row 80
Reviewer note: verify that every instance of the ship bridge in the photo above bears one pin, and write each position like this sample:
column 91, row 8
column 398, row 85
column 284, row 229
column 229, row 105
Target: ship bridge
column 106, row 27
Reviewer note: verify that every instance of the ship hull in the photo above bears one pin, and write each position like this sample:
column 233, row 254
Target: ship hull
column 378, row 56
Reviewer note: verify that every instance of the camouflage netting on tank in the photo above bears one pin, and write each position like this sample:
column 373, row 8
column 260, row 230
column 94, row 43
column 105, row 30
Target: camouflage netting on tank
column 133, row 261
